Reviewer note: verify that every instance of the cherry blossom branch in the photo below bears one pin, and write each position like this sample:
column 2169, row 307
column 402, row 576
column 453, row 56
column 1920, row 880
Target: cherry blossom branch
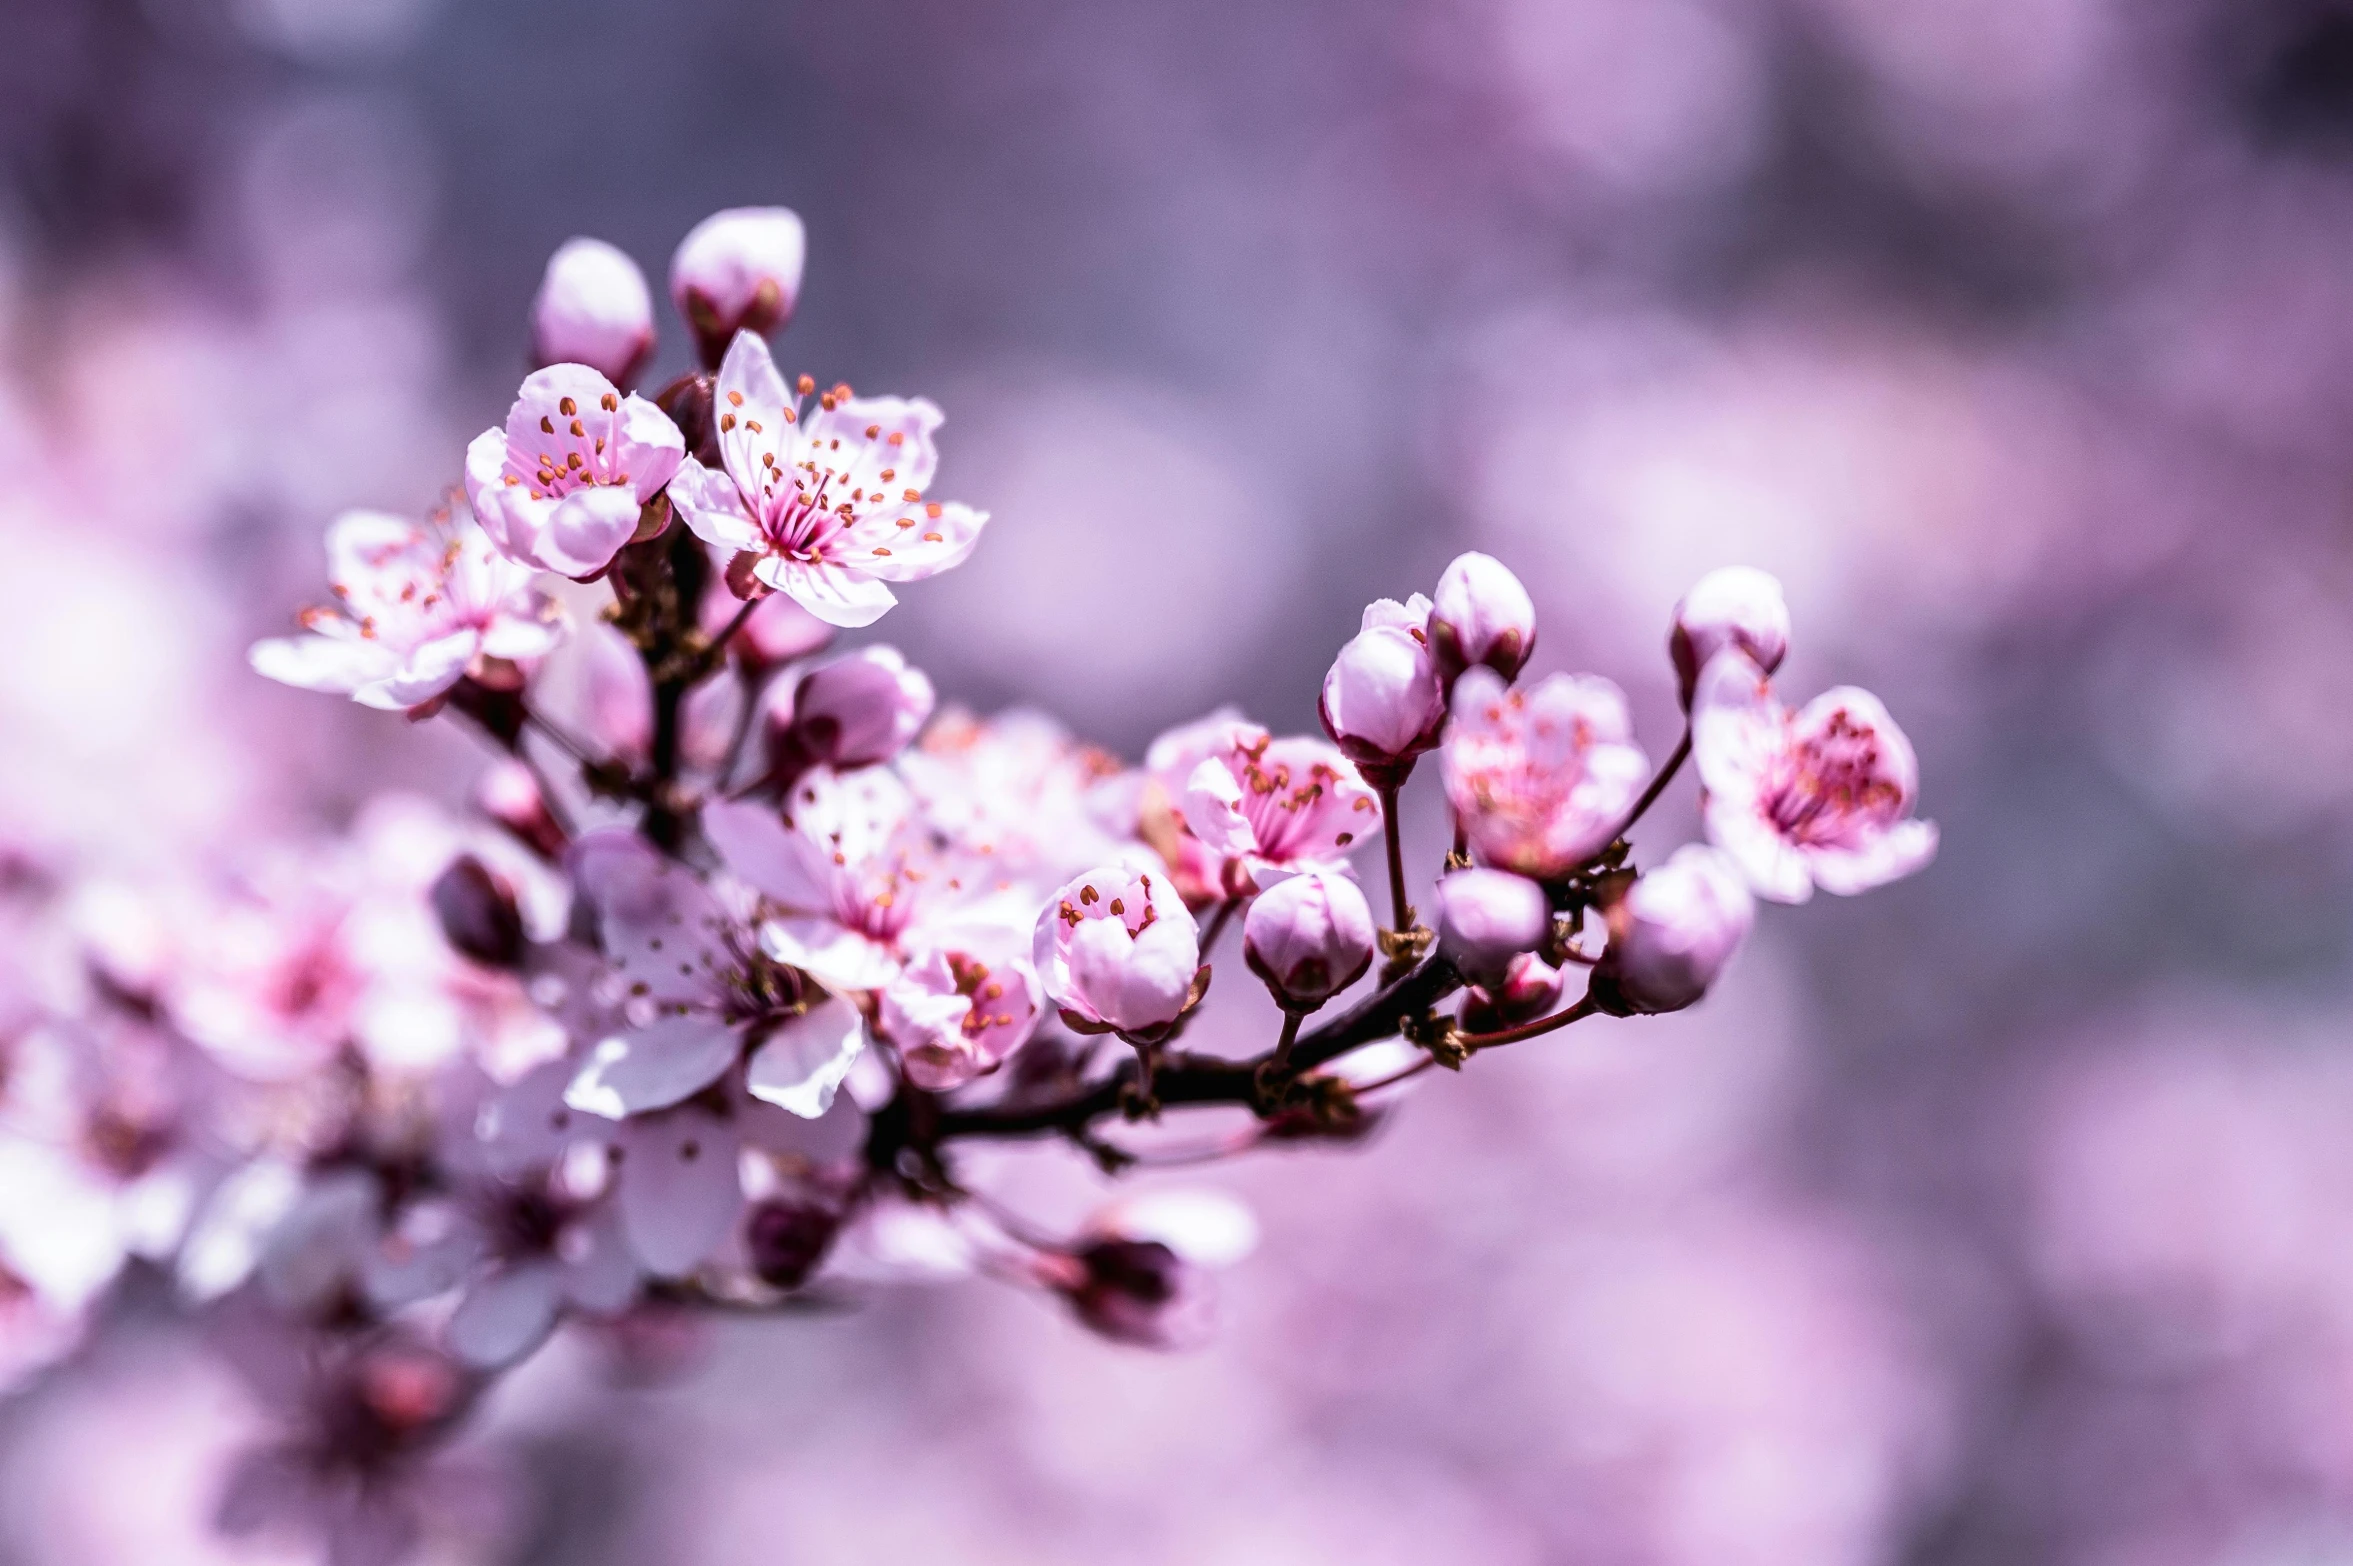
column 1471, row 1043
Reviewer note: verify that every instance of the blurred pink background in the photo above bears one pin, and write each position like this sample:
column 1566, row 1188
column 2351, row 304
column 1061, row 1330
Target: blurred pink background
column 2001, row 1220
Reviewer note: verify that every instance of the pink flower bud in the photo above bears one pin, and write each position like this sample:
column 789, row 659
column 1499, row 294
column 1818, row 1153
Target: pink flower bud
column 1488, row 917
column 958, row 1010
column 738, row 271
column 785, row 1240
column 1118, row 951
column 1672, row 933
column 1142, row 1272
column 1381, row 701
column 1736, row 606
column 479, row 914
column 1309, row 937
column 857, row 710
column 509, row 795
column 1481, row 615
column 1530, row 988
column 594, row 309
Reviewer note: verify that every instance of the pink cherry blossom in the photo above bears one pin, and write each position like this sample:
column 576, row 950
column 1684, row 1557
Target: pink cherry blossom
column 1821, row 797
column 1309, row 937
column 561, row 487
column 417, row 607
column 1672, row 934
column 963, row 1004
column 1733, row 606
column 700, row 994
column 1025, row 802
column 826, row 497
column 738, row 271
column 1382, row 702
column 1481, row 615
column 847, row 868
column 593, row 308
column 1543, row 777
column 1267, row 806
column 1118, row 949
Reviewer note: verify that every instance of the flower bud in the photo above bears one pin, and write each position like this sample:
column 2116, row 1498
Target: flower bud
column 738, row 271
column 1381, row 702
column 1481, row 615
column 1530, row 987
column 1488, row 917
column 1736, row 606
column 509, row 795
column 1139, row 1292
column 1672, row 933
column 594, row 309
column 785, row 1240
column 857, row 710
column 1309, row 937
column 479, row 914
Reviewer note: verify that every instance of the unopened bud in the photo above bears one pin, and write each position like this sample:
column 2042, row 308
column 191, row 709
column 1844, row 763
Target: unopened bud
column 1672, row 933
column 1488, row 917
column 1139, row 1292
column 479, row 914
column 854, row 711
column 1481, row 615
column 1381, row 702
column 594, row 309
column 1529, row 988
column 509, row 795
column 786, row 1240
column 1309, row 937
column 1736, row 606
column 738, row 271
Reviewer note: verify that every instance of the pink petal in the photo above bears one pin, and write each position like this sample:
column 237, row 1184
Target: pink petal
column 833, row 593
column 664, row 1063
column 801, row 1065
column 679, row 1188
column 505, row 1316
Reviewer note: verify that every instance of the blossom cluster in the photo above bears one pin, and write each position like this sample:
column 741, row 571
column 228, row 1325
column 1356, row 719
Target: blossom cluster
column 699, row 1003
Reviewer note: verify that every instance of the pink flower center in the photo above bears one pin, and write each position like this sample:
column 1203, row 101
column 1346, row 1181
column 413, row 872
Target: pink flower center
column 566, row 457
column 1831, row 790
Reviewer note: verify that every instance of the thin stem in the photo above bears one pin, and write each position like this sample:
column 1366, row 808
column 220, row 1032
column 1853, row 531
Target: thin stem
column 1414, row 1070
column 742, row 618
column 1281, row 1059
column 746, row 717
column 577, row 749
column 1402, row 916
column 1658, row 784
column 1528, row 1030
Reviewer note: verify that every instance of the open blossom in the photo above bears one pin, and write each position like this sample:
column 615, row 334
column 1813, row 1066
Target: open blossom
column 1382, row 703
column 961, row 1006
column 562, row 485
column 1672, row 933
column 1818, row 797
column 738, row 271
column 852, row 711
column 593, row 308
column 1733, row 606
column 700, row 995
column 1481, row 615
column 1309, row 937
column 1541, row 777
column 827, row 499
column 848, row 867
column 1118, row 950
column 418, row 605
column 1021, row 798
column 1266, row 806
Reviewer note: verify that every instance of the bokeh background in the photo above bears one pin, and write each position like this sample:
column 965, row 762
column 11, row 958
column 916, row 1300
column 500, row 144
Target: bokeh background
column 2000, row 1218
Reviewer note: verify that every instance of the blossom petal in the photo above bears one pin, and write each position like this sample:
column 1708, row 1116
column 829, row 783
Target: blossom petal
column 679, row 1188
column 1902, row 849
column 584, row 530
column 757, row 845
column 909, row 543
column 714, row 509
column 751, row 405
column 839, row 957
column 835, row 594
column 664, row 1063
column 322, row 663
column 801, row 1065
column 1213, row 809
column 505, row 1316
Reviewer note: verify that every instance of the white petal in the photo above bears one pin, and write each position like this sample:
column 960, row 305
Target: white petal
column 679, row 1188
column 841, row 958
column 802, row 1064
column 505, row 1316
column 664, row 1063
